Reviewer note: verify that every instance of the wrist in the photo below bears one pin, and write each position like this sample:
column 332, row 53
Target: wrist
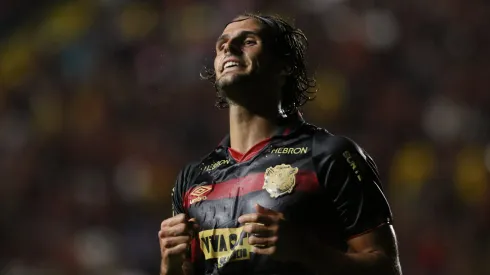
column 175, row 266
column 163, row 268
column 320, row 259
column 167, row 269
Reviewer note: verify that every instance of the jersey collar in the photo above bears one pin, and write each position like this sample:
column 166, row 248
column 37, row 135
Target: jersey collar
column 286, row 127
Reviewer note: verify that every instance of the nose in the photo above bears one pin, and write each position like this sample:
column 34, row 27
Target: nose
column 232, row 47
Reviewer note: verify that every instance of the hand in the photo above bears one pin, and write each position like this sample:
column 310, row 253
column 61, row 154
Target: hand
column 271, row 235
column 175, row 236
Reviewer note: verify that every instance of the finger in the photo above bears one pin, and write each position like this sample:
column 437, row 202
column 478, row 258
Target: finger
column 170, row 242
column 178, row 250
column 267, row 211
column 264, row 250
column 257, row 218
column 263, row 210
column 176, row 230
column 180, row 218
column 259, row 229
column 262, row 242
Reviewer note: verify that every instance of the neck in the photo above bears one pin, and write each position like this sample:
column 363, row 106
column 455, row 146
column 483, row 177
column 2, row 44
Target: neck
column 248, row 128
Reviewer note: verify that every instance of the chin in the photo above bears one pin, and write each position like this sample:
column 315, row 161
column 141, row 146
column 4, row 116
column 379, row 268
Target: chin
column 231, row 81
column 234, row 88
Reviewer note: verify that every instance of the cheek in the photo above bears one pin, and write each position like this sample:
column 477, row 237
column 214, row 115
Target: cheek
column 258, row 60
column 216, row 64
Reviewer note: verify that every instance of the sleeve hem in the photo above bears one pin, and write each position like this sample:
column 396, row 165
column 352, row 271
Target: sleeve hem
column 368, row 230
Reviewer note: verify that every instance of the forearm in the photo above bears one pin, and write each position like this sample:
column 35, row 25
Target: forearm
column 333, row 262
column 165, row 271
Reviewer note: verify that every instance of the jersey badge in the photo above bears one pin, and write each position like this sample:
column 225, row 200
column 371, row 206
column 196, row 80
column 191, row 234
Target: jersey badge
column 280, row 179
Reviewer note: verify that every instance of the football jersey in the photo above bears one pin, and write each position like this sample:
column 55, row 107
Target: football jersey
column 322, row 183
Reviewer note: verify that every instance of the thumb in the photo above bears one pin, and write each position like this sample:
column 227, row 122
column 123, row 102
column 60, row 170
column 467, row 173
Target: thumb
column 263, row 210
column 267, row 211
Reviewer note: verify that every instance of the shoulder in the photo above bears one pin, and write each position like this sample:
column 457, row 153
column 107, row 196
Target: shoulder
column 326, row 143
column 193, row 168
column 189, row 169
column 185, row 178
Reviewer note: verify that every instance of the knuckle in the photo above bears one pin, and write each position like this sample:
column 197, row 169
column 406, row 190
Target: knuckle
column 181, row 227
column 273, row 240
column 274, row 228
column 166, row 243
column 185, row 239
column 248, row 228
column 175, row 230
column 172, row 252
column 181, row 217
column 183, row 247
column 272, row 250
column 167, row 232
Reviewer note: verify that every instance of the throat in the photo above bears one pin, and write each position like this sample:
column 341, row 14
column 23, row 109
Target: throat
column 246, row 155
column 248, row 131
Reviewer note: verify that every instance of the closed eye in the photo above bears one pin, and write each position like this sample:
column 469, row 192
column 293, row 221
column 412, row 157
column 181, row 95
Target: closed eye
column 249, row 42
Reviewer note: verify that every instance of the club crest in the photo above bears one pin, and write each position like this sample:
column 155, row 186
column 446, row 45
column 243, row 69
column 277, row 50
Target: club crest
column 280, row 179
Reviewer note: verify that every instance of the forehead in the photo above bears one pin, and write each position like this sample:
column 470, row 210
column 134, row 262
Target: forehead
column 242, row 24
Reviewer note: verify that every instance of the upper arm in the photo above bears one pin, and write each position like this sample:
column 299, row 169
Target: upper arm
column 381, row 241
column 351, row 182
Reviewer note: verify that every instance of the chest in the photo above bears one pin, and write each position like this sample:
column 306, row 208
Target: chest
column 283, row 179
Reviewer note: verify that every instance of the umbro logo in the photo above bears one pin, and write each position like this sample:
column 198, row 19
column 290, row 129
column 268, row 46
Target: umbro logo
column 198, row 194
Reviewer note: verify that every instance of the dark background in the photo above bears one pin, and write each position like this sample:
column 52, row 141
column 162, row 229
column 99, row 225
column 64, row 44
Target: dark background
column 101, row 105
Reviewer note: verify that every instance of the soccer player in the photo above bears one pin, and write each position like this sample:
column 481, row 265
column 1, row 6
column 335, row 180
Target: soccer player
column 278, row 195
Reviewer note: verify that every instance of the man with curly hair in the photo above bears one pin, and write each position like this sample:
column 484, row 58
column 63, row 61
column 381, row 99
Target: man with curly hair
column 278, row 195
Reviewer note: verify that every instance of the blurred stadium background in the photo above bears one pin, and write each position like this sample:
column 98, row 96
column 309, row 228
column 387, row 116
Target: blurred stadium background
column 101, row 105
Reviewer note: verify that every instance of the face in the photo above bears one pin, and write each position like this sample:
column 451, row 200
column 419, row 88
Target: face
column 241, row 58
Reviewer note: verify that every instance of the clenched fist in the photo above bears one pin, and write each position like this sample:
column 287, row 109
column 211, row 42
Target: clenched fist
column 271, row 235
column 175, row 236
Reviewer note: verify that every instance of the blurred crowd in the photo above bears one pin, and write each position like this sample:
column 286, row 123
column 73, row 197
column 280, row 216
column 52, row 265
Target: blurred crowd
column 101, row 105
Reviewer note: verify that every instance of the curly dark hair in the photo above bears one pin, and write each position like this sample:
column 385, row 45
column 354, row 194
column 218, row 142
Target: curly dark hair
column 290, row 45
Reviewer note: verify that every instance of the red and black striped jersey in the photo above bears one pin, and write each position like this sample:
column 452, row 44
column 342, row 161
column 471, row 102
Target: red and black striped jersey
column 323, row 183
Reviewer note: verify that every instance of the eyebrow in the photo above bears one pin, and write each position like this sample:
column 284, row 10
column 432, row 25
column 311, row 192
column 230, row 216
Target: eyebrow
column 240, row 34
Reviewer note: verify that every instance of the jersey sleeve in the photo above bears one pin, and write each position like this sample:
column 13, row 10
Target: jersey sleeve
column 182, row 183
column 351, row 182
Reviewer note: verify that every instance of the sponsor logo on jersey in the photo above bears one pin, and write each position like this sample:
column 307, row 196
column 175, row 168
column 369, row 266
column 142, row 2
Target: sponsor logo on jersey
column 290, row 151
column 280, row 179
column 215, row 165
column 352, row 163
column 198, row 194
column 225, row 244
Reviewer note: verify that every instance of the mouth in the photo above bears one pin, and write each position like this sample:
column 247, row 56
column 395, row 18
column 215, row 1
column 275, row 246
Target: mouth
column 230, row 64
